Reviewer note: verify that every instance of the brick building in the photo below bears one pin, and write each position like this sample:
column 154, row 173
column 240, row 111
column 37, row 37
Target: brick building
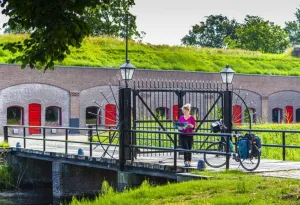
column 64, row 97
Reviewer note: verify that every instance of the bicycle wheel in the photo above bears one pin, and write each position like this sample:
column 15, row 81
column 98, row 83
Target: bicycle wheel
column 214, row 160
column 252, row 162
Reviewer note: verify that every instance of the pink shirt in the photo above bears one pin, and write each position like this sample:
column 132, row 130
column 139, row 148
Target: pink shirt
column 190, row 120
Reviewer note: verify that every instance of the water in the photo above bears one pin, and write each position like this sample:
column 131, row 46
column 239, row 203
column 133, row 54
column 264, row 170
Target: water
column 38, row 196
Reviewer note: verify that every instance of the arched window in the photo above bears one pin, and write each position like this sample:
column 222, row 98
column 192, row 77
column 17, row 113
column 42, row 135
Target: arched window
column 298, row 115
column 252, row 116
column 15, row 115
column 110, row 114
column 91, row 115
column 237, row 114
column 195, row 112
column 53, row 115
column 277, row 115
column 162, row 113
column 288, row 115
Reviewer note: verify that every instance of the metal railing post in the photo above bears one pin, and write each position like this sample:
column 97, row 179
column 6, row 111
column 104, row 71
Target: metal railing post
column 44, row 139
column 175, row 153
column 24, row 137
column 90, row 136
column 227, row 152
column 283, row 146
column 5, row 132
column 66, row 139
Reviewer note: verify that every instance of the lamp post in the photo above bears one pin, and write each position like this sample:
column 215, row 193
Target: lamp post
column 227, row 76
column 127, row 70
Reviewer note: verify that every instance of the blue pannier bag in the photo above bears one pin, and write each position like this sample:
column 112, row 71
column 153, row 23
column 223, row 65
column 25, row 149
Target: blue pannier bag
column 244, row 147
column 257, row 142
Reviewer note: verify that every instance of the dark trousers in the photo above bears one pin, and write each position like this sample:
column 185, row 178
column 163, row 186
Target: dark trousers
column 186, row 142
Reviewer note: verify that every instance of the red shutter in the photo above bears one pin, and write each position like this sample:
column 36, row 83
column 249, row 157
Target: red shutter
column 175, row 112
column 110, row 114
column 237, row 114
column 288, row 114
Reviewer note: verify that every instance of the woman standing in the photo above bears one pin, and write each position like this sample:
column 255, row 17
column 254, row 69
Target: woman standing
column 186, row 138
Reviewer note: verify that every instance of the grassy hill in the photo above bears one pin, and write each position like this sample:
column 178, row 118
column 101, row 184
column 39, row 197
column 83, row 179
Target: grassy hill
column 110, row 53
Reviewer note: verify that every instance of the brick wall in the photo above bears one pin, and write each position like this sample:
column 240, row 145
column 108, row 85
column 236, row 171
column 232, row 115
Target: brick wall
column 75, row 88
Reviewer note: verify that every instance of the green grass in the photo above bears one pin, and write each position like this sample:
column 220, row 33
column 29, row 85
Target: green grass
column 4, row 144
column 110, row 52
column 225, row 188
column 107, row 137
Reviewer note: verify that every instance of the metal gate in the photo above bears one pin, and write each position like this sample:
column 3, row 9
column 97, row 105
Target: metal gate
column 157, row 104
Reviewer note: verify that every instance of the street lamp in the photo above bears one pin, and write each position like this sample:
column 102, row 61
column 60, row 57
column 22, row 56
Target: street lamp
column 227, row 75
column 127, row 69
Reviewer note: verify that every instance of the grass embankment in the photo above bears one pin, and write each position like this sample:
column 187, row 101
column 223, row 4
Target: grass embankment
column 225, row 188
column 110, row 52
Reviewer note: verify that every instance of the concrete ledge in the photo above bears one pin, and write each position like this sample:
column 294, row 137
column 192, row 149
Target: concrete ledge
column 188, row 176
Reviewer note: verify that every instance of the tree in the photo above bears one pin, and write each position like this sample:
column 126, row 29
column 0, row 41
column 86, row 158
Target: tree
column 292, row 28
column 212, row 32
column 17, row 30
column 110, row 19
column 257, row 34
column 55, row 25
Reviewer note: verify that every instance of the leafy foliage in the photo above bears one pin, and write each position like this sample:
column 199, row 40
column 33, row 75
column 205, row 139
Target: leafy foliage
column 18, row 29
column 257, row 34
column 212, row 32
column 110, row 19
column 292, row 28
column 56, row 26
column 6, row 178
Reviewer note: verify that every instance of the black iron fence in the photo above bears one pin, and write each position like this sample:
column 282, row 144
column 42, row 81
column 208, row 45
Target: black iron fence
column 90, row 143
column 155, row 141
column 282, row 141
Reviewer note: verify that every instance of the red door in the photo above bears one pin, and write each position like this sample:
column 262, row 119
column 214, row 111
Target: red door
column 237, row 114
column 110, row 114
column 34, row 115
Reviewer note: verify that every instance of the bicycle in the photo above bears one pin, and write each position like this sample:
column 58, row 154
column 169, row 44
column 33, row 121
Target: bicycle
column 249, row 162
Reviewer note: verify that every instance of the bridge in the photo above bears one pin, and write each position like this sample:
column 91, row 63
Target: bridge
column 75, row 165
column 137, row 144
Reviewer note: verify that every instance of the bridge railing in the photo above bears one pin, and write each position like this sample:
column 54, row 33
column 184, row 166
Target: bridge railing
column 285, row 141
column 24, row 137
column 174, row 147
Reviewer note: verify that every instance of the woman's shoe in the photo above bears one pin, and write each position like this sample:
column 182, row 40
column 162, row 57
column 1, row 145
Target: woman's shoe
column 186, row 164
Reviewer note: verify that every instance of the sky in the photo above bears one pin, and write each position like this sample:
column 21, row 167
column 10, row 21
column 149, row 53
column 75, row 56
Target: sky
column 168, row 21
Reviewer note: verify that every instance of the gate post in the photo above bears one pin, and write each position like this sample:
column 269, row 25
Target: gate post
column 228, row 120
column 228, row 110
column 125, row 126
column 180, row 95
